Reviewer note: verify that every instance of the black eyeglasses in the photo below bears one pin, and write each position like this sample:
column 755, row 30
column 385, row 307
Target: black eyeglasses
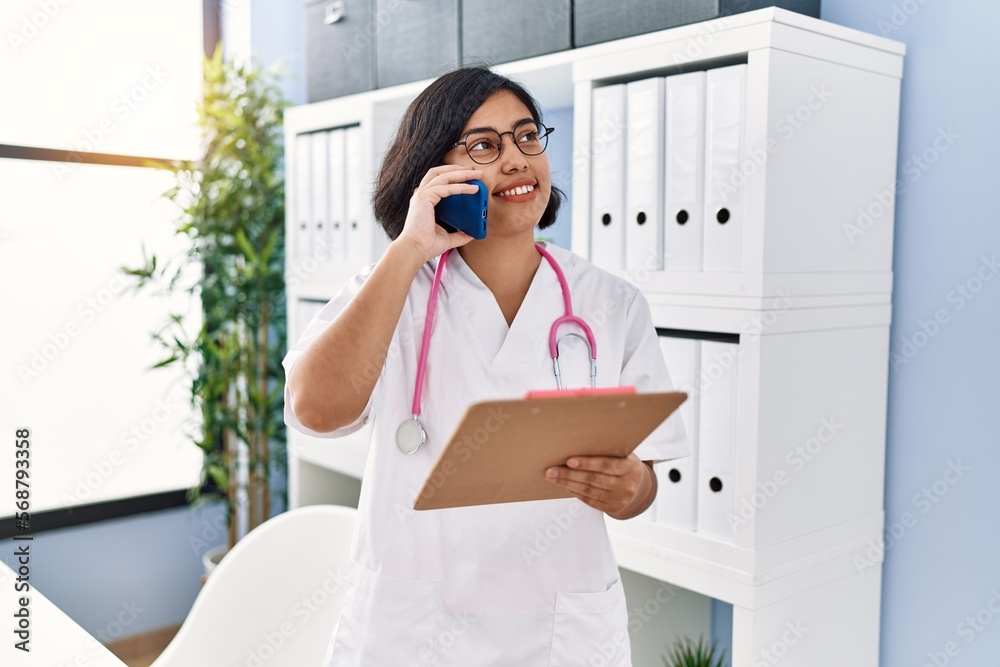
column 484, row 146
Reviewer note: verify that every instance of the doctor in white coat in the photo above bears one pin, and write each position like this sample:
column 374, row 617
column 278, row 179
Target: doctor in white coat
column 529, row 584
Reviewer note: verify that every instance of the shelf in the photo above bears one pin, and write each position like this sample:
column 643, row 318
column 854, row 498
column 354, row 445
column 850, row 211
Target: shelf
column 747, row 577
column 347, row 455
column 722, row 38
column 812, row 306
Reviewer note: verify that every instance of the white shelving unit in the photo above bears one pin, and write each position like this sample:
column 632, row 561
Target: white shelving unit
column 820, row 358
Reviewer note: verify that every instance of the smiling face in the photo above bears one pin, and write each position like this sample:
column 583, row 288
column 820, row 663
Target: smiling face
column 519, row 185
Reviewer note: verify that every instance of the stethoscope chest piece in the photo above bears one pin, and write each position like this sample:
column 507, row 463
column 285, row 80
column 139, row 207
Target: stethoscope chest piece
column 410, row 435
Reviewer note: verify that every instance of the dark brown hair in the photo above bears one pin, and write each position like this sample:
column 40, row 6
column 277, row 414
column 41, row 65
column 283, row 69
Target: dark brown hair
column 431, row 125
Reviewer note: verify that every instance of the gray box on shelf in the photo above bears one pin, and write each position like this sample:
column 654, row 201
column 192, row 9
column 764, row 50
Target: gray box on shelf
column 417, row 39
column 604, row 20
column 522, row 29
column 340, row 47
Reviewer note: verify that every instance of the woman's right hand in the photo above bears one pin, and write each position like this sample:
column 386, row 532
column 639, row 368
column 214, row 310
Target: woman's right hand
column 420, row 229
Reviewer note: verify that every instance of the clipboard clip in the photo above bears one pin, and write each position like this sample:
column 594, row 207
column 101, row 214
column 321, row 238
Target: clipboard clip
column 564, row 393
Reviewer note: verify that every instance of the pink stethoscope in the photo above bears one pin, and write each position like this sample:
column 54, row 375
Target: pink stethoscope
column 411, row 434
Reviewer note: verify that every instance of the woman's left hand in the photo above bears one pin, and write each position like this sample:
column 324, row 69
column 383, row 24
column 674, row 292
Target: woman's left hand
column 611, row 484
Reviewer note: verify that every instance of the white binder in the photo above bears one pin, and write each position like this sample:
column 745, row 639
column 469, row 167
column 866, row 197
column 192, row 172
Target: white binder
column 644, row 174
column 725, row 106
column 684, row 189
column 717, row 439
column 676, row 498
column 359, row 231
column 319, row 192
column 607, row 185
column 336, row 240
column 301, row 240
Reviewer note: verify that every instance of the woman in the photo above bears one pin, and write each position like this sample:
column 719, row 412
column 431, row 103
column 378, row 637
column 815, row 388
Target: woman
column 526, row 584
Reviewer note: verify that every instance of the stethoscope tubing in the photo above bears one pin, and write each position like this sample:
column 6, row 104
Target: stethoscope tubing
column 415, row 428
column 425, row 342
column 567, row 309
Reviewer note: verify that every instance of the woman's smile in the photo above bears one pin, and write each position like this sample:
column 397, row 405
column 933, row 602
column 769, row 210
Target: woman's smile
column 518, row 191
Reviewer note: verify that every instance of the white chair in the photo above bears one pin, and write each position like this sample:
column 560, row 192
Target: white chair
column 275, row 598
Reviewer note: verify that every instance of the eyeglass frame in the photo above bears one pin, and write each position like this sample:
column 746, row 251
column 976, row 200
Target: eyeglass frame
column 548, row 131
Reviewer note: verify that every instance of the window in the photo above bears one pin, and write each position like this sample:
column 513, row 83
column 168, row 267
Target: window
column 110, row 77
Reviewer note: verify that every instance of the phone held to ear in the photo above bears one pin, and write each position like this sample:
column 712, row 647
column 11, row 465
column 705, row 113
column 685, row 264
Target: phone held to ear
column 464, row 213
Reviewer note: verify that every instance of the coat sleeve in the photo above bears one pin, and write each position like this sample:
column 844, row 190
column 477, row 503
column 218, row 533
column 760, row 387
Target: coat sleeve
column 322, row 319
column 644, row 368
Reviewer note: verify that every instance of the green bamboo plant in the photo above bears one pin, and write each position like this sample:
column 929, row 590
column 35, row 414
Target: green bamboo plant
column 232, row 215
column 686, row 652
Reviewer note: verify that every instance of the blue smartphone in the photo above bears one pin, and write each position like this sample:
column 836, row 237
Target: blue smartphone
column 465, row 213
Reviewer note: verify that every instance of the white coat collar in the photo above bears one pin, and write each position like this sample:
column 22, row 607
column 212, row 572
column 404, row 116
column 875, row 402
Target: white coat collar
column 527, row 337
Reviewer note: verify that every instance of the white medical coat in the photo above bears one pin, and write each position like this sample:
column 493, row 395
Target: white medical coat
column 531, row 584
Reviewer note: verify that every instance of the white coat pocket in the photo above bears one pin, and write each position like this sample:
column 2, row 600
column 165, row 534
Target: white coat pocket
column 591, row 629
column 385, row 620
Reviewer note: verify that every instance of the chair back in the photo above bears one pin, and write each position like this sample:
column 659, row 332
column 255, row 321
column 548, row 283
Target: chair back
column 274, row 598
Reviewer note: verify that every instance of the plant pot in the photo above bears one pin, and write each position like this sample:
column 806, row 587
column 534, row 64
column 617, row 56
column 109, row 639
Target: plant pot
column 210, row 560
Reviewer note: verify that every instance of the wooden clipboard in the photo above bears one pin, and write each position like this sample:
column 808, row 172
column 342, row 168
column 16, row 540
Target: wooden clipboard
column 500, row 450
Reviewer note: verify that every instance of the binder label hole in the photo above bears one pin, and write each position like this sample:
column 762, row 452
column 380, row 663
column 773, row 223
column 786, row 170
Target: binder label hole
column 674, row 475
column 641, row 218
column 606, row 219
column 722, row 216
column 715, row 484
column 682, row 217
